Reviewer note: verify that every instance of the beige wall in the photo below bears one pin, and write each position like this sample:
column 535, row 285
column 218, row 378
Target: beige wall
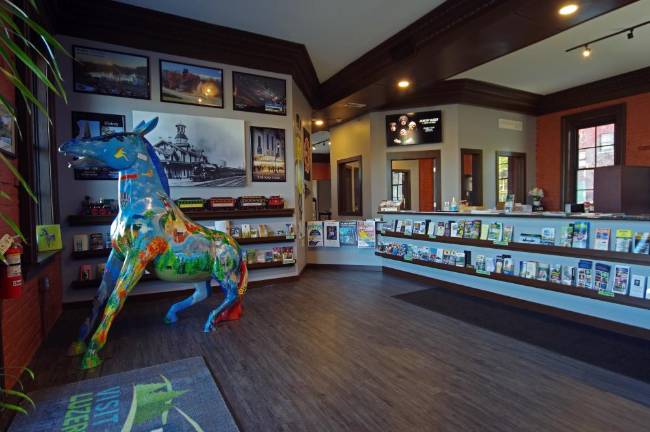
column 463, row 126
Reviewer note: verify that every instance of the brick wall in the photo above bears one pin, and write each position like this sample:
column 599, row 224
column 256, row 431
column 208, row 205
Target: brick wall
column 22, row 325
column 548, row 149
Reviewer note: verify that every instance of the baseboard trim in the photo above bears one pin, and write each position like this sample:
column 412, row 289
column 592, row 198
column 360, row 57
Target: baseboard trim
column 592, row 321
column 345, row 267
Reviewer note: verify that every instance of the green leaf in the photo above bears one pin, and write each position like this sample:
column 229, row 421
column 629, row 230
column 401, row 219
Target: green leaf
column 190, row 420
column 20, row 178
column 13, row 407
column 19, row 395
column 25, row 93
column 13, row 226
column 5, row 195
column 19, row 13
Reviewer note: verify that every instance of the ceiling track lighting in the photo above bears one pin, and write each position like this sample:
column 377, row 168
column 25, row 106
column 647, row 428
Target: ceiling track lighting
column 586, row 51
column 324, row 143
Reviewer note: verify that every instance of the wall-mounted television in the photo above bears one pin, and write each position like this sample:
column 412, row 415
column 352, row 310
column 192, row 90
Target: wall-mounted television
column 414, row 128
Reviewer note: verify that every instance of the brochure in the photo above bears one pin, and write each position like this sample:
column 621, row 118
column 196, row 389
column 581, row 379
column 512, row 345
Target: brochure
column 366, row 236
column 548, row 236
column 568, row 275
column 584, row 275
column 332, row 234
column 601, row 276
column 621, row 279
column 580, row 235
column 601, row 239
column 641, row 243
column 315, row 233
column 348, row 233
column 638, row 286
column 555, row 273
column 623, row 240
column 566, row 236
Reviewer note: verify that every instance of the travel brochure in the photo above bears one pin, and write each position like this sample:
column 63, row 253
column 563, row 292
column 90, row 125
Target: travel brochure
column 574, row 235
column 359, row 233
column 604, row 278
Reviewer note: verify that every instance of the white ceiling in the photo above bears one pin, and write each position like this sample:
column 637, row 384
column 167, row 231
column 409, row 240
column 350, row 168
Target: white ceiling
column 335, row 32
column 545, row 67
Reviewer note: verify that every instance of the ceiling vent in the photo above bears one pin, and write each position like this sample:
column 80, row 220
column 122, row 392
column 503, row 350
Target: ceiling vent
column 354, row 105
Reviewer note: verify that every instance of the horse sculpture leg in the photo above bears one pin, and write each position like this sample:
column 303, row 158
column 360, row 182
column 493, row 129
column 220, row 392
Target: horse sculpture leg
column 233, row 286
column 201, row 290
column 229, row 288
column 131, row 272
column 109, row 277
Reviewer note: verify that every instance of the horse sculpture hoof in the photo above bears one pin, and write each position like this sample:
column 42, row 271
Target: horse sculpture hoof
column 90, row 360
column 76, row 348
column 170, row 319
column 209, row 327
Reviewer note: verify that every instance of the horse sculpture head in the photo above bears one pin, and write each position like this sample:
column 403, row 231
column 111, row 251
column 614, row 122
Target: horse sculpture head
column 118, row 151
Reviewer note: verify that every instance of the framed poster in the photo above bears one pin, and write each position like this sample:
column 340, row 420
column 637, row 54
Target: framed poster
column 306, row 153
column 198, row 151
column 259, row 94
column 268, row 154
column 7, row 137
column 191, row 85
column 110, row 73
column 89, row 125
column 414, row 128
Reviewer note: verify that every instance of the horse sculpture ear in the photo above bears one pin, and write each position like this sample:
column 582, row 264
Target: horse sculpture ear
column 144, row 128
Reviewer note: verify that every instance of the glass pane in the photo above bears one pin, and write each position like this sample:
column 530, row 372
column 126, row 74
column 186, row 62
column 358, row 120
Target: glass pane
column 605, row 156
column 586, row 195
column 503, row 160
column 605, row 134
column 587, row 158
column 503, row 171
column 587, row 137
column 585, row 179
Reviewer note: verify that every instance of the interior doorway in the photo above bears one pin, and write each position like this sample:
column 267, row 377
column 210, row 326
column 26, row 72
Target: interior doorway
column 414, row 179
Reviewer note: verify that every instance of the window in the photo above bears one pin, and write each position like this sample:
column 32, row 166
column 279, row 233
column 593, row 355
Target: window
column 590, row 140
column 471, row 185
column 401, row 187
column 510, row 176
column 350, row 187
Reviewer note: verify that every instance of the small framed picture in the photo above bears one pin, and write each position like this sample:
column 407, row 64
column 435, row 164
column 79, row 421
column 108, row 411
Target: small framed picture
column 48, row 237
column 110, row 73
column 259, row 94
column 268, row 154
column 7, row 137
column 191, row 85
column 90, row 125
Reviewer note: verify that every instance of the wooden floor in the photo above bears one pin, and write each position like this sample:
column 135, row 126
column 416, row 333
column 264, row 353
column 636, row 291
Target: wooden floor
column 334, row 351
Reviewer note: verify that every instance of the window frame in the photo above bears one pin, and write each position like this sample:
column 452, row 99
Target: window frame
column 406, row 181
column 340, row 164
column 477, row 155
column 616, row 114
column 510, row 154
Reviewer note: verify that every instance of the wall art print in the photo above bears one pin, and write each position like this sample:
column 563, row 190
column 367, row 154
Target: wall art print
column 197, row 150
column 110, row 73
column 190, row 84
column 268, row 154
column 91, row 125
column 306, row 152
column 259, row 94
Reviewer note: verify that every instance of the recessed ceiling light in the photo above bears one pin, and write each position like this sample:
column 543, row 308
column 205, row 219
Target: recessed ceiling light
column 319, row 122
column 403, row 84
column 568, row 9
column 586, row 52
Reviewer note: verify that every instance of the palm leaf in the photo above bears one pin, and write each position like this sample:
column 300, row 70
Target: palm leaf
column 19, row 395
column 16, row 174
column 25, row 92
column 13, row 226
column 13, row 407
column 49, row 39
column 5, row 195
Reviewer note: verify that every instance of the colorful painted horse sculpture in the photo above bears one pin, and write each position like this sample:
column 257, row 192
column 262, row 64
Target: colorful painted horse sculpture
column 151, row 232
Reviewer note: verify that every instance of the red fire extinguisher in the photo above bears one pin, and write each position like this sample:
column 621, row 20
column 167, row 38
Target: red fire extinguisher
column 12, row 279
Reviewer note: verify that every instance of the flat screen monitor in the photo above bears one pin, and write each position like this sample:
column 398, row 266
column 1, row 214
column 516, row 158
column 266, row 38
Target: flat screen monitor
column 414, row 128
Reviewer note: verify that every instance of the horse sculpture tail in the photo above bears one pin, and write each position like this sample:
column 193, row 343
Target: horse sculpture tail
column 243, row 278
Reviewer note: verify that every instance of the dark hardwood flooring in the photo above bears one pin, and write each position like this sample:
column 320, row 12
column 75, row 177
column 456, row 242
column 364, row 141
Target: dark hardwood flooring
column 335, row 351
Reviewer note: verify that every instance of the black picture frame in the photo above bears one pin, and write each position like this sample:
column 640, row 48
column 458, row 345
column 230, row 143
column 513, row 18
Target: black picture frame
column 424, row 127
column 189, row 65
column 261, row 135
column 247, row 88
column 100, row 121
column 83, row 85
column 306, row 154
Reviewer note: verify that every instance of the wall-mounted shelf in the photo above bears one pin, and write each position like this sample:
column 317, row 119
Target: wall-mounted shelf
column 598, row 255
column 582, row 292
column 94, row 283
column 83, row 220
column 99, row 253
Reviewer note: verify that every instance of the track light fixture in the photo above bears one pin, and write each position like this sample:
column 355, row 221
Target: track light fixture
column 586, row 51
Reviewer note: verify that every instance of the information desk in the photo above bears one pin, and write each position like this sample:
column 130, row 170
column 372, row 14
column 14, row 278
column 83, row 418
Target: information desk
column 622, row 311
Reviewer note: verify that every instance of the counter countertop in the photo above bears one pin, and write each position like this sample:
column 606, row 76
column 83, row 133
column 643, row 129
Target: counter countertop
column 549, row 215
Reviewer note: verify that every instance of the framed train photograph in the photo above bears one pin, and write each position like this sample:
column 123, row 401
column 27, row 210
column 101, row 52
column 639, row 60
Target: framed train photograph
column 190, row 84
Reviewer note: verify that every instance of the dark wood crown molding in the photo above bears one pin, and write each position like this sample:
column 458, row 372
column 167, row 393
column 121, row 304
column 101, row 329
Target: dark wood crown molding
column 619, row 86
column 135, row 27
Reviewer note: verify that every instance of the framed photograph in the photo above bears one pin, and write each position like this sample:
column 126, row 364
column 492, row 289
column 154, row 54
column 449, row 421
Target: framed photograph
column 198, row 151
column 110, row 73
column 89, row 125
column 268, row 154
column 191, row 85
column 259, row 94
column 48, row 237
column 306, row 153
column 414, row 128
column 7, row 137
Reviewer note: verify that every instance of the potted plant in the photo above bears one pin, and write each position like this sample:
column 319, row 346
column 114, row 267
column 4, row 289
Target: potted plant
column 537, row 194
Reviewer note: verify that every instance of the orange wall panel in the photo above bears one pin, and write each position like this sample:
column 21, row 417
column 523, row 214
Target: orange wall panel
column 426, row 184
column 321, row 171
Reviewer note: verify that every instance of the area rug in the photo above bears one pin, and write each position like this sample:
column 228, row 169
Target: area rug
column 175, row 396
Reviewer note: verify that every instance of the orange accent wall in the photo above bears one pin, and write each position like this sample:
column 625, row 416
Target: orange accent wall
column 320, row 171
column 426, row 184
column 548, row 148
column 25, row 320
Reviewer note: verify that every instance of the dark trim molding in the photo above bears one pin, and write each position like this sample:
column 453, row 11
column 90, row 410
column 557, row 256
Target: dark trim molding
column 616, row 87
column 424, row 154
column 601, row 323
column 339, row 164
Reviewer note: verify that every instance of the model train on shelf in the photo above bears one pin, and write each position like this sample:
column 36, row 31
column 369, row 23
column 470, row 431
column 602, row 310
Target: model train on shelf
column 101, row 207
column 229, row 203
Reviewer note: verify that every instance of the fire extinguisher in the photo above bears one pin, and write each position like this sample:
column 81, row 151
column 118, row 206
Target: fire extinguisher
column 12, row 279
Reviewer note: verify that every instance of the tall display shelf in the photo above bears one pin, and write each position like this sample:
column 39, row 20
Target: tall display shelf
column 621, row 310
column 78, row 224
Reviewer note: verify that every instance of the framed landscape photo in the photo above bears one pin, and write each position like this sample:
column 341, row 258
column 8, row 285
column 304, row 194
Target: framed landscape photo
column 89, row 125
column 268, row 154
column 191, row 85
column 7, row 137
column 259, row 94
column 110, row 73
